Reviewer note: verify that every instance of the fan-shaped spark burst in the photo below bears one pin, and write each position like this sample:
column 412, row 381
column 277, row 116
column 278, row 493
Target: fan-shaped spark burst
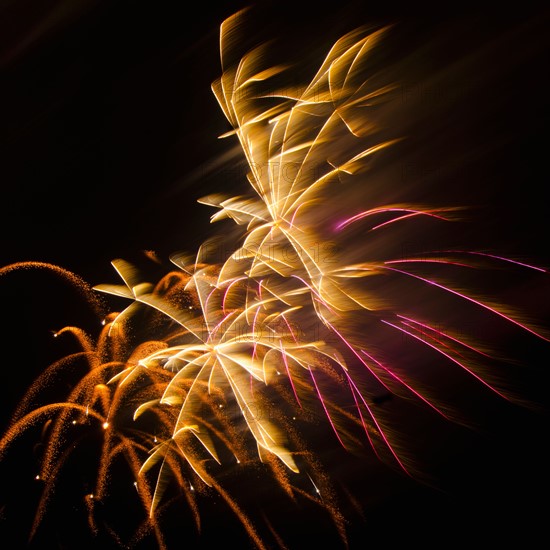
column 235, row 352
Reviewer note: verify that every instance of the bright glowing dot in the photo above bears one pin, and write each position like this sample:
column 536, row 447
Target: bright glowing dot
column 190, row 307
column 238, row 461
column 37, row 476
column 55, row 335
column 90, row 495
column 74, row 422
column 220, row 406
column 103, row 322
column 293, row 418
column 105, row 425
column 314, row 486
column 191, row 486
column 155, row 439
column 278, row 373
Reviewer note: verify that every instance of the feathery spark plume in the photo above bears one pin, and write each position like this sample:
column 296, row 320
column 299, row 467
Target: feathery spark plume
column 240, row 360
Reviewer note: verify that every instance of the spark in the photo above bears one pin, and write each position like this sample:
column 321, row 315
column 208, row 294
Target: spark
column 314, row 486
column 448, row 356
column 473, row 300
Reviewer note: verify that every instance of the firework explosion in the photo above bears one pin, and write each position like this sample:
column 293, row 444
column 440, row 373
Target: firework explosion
column 226, row 369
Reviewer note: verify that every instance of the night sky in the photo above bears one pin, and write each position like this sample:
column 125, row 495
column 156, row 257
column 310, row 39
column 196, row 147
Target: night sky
column 108, row 132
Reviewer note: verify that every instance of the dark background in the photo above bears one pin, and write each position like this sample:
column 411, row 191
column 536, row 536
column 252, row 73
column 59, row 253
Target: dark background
column 108, row 129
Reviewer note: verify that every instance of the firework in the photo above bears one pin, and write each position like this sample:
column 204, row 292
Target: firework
column 225, row 368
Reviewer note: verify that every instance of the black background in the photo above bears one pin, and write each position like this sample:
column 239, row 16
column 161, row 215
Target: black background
column 108, row 122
